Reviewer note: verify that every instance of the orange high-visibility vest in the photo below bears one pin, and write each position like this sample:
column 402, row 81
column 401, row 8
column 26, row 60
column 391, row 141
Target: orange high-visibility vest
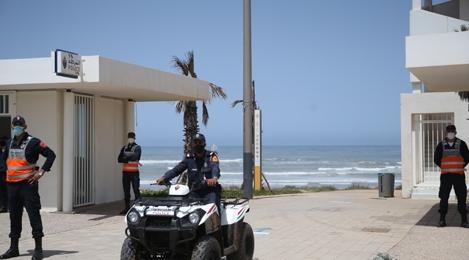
column 130, row 167
column 452, row 161
column 19, row 169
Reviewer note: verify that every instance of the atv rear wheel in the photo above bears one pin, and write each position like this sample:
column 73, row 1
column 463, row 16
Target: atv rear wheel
column 246, row 245
column 129, row 250
column 207, row 248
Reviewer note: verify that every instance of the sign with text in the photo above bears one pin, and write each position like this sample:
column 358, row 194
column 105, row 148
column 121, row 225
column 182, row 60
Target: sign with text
column 257, row 138
column 67, row 64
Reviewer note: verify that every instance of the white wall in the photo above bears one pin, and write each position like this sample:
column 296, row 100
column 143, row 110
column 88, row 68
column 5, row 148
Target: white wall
column 110, row 136
column 425, row 22
column 43, row 113
column 443, row 102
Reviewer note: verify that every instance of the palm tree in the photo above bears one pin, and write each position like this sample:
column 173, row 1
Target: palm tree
column 189, row 108
column 464, row 95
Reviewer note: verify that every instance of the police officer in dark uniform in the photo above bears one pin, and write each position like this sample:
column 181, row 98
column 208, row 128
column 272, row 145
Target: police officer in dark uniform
column 3, row 176
column 21, row 156
column 452, row 156
column 203, row 171
column 129, row 156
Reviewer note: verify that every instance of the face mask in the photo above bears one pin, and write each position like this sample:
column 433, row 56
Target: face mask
column 131, row 140
column 199, row 148
column 450, row 136
column 18, row 130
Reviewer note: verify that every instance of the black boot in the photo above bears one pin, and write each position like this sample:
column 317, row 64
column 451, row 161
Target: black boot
column 126, row 208
column 442, row 222
column 464, row 223
column 12, row 251
column 37, row 255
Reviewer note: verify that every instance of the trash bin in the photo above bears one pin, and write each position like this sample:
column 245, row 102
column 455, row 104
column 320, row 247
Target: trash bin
column 386, row 185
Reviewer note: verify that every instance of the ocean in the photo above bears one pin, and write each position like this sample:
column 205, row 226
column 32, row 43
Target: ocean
column 311, row 166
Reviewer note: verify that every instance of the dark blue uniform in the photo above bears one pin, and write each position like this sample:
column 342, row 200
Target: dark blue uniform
column 130, row 152
column 199, row 169
column 23, row 194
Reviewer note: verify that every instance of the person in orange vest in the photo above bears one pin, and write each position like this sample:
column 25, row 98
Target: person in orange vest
column 129, row 156
column 452, row 156
column 21, row 155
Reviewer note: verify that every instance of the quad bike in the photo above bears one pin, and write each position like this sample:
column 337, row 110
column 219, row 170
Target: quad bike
column 182, row 226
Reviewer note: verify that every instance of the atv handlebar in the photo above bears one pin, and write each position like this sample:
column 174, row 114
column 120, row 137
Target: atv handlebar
column 165, row 183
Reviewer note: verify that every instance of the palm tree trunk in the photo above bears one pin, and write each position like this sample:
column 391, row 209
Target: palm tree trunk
column 191, row 125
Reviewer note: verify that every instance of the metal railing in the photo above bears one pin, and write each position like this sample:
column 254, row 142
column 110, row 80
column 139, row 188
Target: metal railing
column 431, row 132
column 83, row 151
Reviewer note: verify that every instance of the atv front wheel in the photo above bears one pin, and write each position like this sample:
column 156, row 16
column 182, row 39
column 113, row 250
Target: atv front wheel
column 246, row 245
column 207, row 248
column 129, row 250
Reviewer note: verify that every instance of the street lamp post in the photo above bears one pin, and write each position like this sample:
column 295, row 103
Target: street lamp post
column 248, row 106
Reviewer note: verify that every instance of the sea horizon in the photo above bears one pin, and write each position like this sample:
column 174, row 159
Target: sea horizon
column 303, row 166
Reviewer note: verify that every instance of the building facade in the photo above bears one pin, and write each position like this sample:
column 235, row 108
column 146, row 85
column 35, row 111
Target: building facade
column 85, row 120
column 437, row 57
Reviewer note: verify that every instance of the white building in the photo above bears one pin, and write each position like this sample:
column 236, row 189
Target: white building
column 85, row 120
column 437, row 57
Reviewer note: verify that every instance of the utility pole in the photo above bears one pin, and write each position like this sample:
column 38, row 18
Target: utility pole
column 247, row 104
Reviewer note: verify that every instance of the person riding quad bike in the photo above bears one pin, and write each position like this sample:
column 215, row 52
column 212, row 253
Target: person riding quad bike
column 192, row 222
column 203, row 171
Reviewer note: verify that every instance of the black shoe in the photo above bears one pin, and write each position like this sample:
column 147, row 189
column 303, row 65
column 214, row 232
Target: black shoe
column 464, row 224
column 37, row 255
column 10, row 253
column 442, row 223
column 3, row 210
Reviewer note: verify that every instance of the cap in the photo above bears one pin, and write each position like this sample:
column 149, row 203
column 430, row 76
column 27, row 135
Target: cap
column 451, row 128
column 18, row 121
column 200, row 137
column 131, row 135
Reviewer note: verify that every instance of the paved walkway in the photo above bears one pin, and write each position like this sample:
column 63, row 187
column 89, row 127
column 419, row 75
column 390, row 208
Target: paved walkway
column 325, row 225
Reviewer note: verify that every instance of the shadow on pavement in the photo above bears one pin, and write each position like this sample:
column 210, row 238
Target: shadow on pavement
column 431, row 218
column 104, row 211
column 49, row 253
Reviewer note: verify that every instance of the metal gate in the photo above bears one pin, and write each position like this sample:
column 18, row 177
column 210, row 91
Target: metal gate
column 430, row 131
column 7, row 110
column 83, row 151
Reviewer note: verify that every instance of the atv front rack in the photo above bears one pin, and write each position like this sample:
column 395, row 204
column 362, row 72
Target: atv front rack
column 233, row 201
column 170, row 201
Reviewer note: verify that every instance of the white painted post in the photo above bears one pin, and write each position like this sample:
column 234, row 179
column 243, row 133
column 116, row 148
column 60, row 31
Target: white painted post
column 67, row 171
column 130, row 116
column 416, row 4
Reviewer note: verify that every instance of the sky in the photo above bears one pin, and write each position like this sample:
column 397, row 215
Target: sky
column 326, row 72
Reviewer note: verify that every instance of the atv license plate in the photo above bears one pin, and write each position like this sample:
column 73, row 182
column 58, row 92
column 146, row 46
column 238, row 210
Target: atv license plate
column 160, row 212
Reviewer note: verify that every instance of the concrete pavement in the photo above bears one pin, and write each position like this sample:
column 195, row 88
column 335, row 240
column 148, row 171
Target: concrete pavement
column 325, row 225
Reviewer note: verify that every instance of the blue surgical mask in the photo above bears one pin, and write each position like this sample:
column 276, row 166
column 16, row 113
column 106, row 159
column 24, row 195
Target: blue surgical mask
column 18, row 130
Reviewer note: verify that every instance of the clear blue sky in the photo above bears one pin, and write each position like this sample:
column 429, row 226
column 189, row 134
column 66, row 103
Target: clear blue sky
column 327, row 72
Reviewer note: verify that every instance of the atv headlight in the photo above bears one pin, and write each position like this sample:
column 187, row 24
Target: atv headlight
column 133, row 217
column 194, row 218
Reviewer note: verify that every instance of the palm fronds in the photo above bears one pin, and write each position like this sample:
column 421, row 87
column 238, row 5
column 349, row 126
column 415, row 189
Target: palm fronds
column 464, row 95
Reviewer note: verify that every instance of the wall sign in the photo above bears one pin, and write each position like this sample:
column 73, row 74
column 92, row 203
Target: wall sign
column 67, row 64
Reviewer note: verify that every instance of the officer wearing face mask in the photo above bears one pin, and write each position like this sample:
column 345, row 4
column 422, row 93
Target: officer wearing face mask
column 21, row 155
column 129, row 156
column 452, row 156
column 203, row 171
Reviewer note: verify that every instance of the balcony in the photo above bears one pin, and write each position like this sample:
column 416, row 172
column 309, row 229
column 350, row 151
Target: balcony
column 440, row 61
